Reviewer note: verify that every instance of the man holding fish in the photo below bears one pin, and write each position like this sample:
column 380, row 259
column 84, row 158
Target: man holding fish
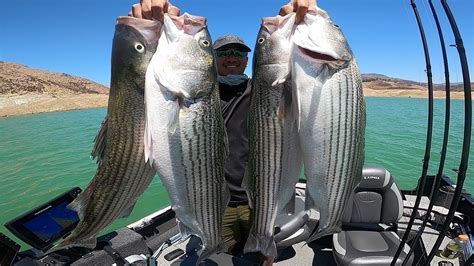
column 231, row 55
column 313, row 114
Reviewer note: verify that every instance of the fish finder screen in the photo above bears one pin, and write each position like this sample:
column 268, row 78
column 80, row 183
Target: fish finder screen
column 52, row 222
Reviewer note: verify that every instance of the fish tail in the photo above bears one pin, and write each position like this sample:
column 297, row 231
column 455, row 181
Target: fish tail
column 207, row 252
column 263, row 244
column 185, row 231
column 319, row 233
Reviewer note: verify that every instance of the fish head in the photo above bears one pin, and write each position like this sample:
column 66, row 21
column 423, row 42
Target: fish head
column 134, row 43
column 273, row 40
column 319, row 39
column 273, row 49
column 187, row 67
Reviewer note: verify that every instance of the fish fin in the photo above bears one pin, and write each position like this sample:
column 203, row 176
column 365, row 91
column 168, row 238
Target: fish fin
column 89, row 243
column 279, row 82
column 297, row 109
column 263, row 244
column 79, row 204
column 282, row 79
column 184, row 230
column 206, row 253
column 291, row 164
column 246, row 185
column 289, row 207
column 125, row 213
column 225, row 139
column 172, row 122
column 100, row 141
column 148, row 140
column 285, row 102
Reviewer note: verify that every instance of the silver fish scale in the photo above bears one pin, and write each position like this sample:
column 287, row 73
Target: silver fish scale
column 202, row 147
column 125, row 160
column 265, row 142
column 338, row 154
column 190, row 163
column 269, row 178
column 122, row 174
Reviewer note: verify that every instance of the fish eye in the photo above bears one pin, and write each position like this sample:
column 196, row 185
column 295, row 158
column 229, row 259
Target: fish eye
column 261, row 40
column 139, row 47
column 205, row 43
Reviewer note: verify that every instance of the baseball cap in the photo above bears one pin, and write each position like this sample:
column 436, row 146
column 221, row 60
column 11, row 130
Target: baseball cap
column 230, row 41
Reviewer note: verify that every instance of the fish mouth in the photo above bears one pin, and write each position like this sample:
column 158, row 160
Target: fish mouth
column 189, row 24
column 317, row 55
column 148, row 29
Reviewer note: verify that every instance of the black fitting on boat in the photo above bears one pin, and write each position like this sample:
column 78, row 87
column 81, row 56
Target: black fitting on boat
column 115, row 255
column 439, row 175
column 467, row 130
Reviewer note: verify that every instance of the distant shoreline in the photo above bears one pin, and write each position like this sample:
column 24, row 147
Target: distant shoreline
column 13, row 105
column 411, row 93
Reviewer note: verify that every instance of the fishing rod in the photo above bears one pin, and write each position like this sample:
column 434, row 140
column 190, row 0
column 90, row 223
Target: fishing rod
column 437, row 182
column 467, row 130
column 429, row 133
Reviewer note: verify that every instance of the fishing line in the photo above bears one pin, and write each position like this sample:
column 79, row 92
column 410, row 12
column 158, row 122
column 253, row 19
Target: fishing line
column 438, row 177
column 427, row 14
column 467, row 130
column 429, row 133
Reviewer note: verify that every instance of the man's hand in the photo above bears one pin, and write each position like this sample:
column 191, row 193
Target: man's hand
column 300, row 7
column 153, row 9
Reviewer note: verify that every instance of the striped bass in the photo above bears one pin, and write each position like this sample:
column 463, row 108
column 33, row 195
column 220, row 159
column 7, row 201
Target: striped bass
column 122, row 174
column 274, row 163
column 185, row 134
column 331, row 108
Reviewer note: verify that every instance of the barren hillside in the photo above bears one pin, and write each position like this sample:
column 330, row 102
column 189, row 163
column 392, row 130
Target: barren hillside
column 16, row 79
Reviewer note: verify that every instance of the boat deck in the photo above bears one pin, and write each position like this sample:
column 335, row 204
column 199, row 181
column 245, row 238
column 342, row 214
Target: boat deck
column 319, row 252
column 316, row 253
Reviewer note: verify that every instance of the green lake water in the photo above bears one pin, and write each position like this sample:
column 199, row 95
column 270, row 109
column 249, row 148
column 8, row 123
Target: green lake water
column 43, row 155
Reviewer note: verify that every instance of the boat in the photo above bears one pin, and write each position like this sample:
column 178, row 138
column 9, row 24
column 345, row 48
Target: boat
column 370, row 234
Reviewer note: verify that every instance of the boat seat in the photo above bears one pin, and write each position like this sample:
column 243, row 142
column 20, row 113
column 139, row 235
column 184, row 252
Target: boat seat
column 377, row 202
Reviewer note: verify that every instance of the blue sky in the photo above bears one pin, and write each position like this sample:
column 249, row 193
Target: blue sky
column 75, row 36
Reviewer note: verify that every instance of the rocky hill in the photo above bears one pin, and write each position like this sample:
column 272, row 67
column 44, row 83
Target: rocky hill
column 16, row 79
column 382, row 82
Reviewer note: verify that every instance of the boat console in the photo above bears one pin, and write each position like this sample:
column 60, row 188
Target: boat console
column 44, row 225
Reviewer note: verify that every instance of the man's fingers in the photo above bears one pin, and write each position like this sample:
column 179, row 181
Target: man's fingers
column 137, row 11
column 286, row 9
column 312, row 5
column 300, row 12
column 146, row 9
column 158, row 8
column 300, row 7
column 172, row 10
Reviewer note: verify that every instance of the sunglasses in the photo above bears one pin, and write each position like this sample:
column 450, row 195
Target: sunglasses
column 230, row 52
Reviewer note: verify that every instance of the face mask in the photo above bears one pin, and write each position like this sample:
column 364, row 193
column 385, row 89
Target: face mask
column 233, row 80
